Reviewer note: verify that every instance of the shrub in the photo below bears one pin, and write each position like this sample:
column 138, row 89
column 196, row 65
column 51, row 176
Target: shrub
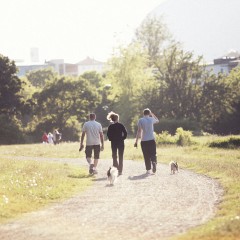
column 10, row 130
column 184, row 138
column 165, row 138
column 229, row 143
column 171, row 126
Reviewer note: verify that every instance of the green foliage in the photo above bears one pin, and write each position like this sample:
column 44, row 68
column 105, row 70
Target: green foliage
column 39, row 78
column 72, row 129
column 171, row 125
column 62, row 102
column 10, row 130
column 129, row 76
column 229, row 143
column 153, row 34
column 184, row 138
column 10, row 87
column 94, row 78
column 165, row 138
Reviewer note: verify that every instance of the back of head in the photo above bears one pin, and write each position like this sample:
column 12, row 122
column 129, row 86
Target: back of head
column 146, row 111
column 112, row 116
column 92, row 116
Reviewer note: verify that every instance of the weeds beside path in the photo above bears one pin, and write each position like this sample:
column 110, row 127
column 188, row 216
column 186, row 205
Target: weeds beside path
column 137, row 207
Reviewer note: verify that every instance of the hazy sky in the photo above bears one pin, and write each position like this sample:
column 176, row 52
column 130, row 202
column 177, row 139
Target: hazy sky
column 69, row 29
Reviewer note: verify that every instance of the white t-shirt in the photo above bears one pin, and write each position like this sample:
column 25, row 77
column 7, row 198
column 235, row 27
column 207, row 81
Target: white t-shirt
column 92, row 130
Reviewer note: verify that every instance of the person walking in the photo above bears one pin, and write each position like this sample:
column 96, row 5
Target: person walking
column 116, row 133
column 146, row 133
column 94, row 137
column 44, row 138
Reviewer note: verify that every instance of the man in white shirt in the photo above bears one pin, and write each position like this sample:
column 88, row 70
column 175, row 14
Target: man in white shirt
column 148, row 144
column 94, row 137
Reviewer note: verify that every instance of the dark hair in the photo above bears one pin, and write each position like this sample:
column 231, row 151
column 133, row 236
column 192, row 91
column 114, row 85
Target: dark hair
column 146, row 111
column 92, row 116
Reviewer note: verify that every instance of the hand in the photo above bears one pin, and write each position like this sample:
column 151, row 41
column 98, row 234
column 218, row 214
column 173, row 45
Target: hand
column 102, row 148
column 81, row 148
column 135, row 145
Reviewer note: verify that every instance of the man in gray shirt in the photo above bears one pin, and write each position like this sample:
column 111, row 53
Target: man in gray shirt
column 94, row 136
column 146, row 133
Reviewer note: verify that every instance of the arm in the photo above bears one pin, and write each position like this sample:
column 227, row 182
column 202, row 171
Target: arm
column 81, row 142
column 102, row 140
column 154, row 116
column 137, row 136
column 124, row 133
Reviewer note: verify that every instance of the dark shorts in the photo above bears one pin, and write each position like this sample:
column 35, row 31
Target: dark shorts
column 95, row 149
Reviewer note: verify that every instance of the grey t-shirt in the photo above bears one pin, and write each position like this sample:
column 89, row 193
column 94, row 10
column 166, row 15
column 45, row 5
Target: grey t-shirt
column 92, row 130
column 146, row 125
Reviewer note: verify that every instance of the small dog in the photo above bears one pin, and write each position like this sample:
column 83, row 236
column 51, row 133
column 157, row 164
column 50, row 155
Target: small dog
column 112, row 174
column 173, row 166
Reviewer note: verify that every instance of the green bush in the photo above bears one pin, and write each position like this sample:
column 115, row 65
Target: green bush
column 229, row 143
column 165, row 138
column 184, row 138
column 10, row 130
column 171, row 125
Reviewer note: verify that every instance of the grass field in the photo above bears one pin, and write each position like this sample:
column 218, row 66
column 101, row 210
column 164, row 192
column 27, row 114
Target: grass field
column 221, row 164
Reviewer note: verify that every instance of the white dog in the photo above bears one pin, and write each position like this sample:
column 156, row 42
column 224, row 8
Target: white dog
column 112, row 174
column 173, row 166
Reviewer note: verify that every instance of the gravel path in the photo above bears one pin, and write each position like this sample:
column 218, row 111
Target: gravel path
column 136, row 207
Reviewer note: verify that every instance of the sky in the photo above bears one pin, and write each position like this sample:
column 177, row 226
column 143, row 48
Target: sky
column 206, row 27
column 69, row 29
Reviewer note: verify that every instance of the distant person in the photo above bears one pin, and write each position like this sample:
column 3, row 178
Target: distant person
column 56, row 136
column 94, row 137
column 50, row 138
column 146, row 133
column 44, row 138
column 116, row 133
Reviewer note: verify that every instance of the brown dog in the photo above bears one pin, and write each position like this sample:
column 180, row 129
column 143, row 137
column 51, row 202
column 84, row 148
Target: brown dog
column 173, row 166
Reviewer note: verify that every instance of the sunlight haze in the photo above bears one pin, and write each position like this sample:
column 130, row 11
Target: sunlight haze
column 70, row 30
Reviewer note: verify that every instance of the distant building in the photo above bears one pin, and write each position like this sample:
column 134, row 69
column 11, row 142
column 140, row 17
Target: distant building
column 24, row 68
column 61, row 67
column 90, row 64
column 225, row 63
column 34, row 55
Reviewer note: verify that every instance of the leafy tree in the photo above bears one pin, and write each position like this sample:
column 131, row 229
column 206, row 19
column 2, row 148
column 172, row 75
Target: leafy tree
column 153, row 34
column 223, row 111
column 180, row 81
column 129, row 77
column 94, row 78
column 176, row 94
column 10, row 130
column 38, row 78
column 64, row 98
column 10, row 87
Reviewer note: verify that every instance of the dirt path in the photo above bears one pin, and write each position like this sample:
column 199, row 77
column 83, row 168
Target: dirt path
column 137, row 207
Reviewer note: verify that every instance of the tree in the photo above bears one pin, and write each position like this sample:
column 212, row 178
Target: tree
column 128, row 75
column 38, row 78
column 10, row 87
column 62, row 99
column 222, row 110
column 177, row 73
column 153, row 34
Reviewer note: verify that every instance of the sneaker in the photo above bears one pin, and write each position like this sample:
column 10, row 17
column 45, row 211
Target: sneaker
column 91, row 169
column 154, row 167
column 95, row 171
column 119, row 174
column 148, row 172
